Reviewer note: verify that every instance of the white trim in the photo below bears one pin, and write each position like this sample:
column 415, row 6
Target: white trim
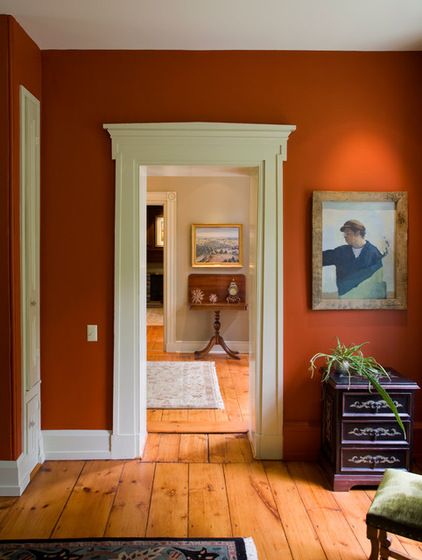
column 184, row 346
column 250, row 548
column 266, row 446
column 14, row 477
column 90, row 444
column 168, row 201
column 128, row 446
column 77, row 444
column 129, row 381
column 30, row 278
column 135, row 146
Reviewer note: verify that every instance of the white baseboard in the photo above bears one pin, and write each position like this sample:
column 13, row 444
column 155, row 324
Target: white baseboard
column 266, row 446
column 188, row 346
column 70, row 444
column 128, row 446
column 14, row 477
column 91, row 444
column 77, row 444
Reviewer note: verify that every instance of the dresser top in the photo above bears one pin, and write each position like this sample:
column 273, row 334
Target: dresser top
column 396, row 381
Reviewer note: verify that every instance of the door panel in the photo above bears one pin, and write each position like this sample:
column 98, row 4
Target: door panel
column 33, row 426
column 30, row 275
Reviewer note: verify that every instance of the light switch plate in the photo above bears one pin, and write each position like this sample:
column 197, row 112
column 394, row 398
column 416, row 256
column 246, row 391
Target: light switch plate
column 92, row 333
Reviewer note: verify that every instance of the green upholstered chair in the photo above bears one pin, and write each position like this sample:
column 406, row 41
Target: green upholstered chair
column 397, row 508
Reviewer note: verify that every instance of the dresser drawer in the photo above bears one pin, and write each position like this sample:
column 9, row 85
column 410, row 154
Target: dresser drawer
column 364, row 404
column 370, row 459
column 374, row 432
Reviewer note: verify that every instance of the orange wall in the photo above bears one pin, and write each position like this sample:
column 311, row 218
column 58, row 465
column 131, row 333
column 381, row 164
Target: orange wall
column 358, row 119
column 20, row 64
column 5, row 276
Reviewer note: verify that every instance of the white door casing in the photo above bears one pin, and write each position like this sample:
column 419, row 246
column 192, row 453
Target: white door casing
column 168, row 201
column 135, row 146
column 30, row 277
column 15, row 474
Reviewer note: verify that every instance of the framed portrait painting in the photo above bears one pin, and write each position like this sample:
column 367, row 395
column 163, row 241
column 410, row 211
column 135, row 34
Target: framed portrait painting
column 217, row 245
column 359, row 250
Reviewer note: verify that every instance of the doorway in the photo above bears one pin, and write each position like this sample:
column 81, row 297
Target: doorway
column 155, row 265
column 161, row 239
column 204, row 194
column 134, row 147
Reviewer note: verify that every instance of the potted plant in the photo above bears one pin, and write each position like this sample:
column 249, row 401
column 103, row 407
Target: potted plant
column 350, row 361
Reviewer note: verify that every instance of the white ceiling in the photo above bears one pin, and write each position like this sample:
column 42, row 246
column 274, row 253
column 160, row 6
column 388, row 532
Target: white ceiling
column 221, row 24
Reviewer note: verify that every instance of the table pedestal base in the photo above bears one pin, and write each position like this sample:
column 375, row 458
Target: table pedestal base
column 216, row 339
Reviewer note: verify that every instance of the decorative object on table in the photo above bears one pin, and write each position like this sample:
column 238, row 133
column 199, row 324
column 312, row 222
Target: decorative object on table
column 233, row 292
column 197, row 295
column 360, row 436
column 183, row 385
column 139, row 548
column 217, row 285
column 214, row 288
column 359, row 250
column 396, row 508
column 217, row 245
column 350, row 361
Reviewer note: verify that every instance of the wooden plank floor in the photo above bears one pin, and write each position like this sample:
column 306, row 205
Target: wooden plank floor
column 198, row 485
column 233, row 378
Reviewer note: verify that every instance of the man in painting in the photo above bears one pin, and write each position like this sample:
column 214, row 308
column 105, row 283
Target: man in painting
column 358, row 264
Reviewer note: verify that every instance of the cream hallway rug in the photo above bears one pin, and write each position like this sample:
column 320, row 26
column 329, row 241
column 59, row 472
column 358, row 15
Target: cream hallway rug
column 155, row 316
column 183, row 385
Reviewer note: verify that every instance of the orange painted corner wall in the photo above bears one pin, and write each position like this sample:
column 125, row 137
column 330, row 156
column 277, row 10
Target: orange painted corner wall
column 20, row 64
column 358, row 121
column 5, row 303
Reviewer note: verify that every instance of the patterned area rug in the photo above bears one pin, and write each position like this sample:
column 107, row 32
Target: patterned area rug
column 129, row 549
column 183, row 385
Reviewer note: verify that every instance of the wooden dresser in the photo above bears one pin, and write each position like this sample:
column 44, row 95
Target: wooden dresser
column 360, row 437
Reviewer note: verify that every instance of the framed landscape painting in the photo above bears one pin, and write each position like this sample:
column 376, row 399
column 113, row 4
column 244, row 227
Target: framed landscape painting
column 359, row 250
column 217, row 245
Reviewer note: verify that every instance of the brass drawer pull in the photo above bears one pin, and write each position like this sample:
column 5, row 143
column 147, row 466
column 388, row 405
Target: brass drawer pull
column 374, row 459
column 373, row 405
column 374, row 432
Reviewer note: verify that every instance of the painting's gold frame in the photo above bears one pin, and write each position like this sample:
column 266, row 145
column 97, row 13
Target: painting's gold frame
column 195, row 264
column 400, row 248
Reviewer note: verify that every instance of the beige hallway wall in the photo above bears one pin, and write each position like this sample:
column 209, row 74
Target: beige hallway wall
column 206, row 200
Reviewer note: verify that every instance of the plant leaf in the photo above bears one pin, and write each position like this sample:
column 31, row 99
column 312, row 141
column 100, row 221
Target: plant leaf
column 358, row 365
column 383, row 393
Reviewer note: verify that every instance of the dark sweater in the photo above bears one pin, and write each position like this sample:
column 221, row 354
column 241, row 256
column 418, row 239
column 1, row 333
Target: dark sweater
column 351, row 271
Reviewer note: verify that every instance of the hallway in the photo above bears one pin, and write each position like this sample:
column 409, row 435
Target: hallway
column 233, row 378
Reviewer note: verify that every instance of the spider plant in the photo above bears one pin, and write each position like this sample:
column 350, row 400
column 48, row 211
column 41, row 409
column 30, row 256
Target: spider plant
column 350, row 360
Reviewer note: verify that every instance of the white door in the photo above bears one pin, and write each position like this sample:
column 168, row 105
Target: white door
column 30, row 277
